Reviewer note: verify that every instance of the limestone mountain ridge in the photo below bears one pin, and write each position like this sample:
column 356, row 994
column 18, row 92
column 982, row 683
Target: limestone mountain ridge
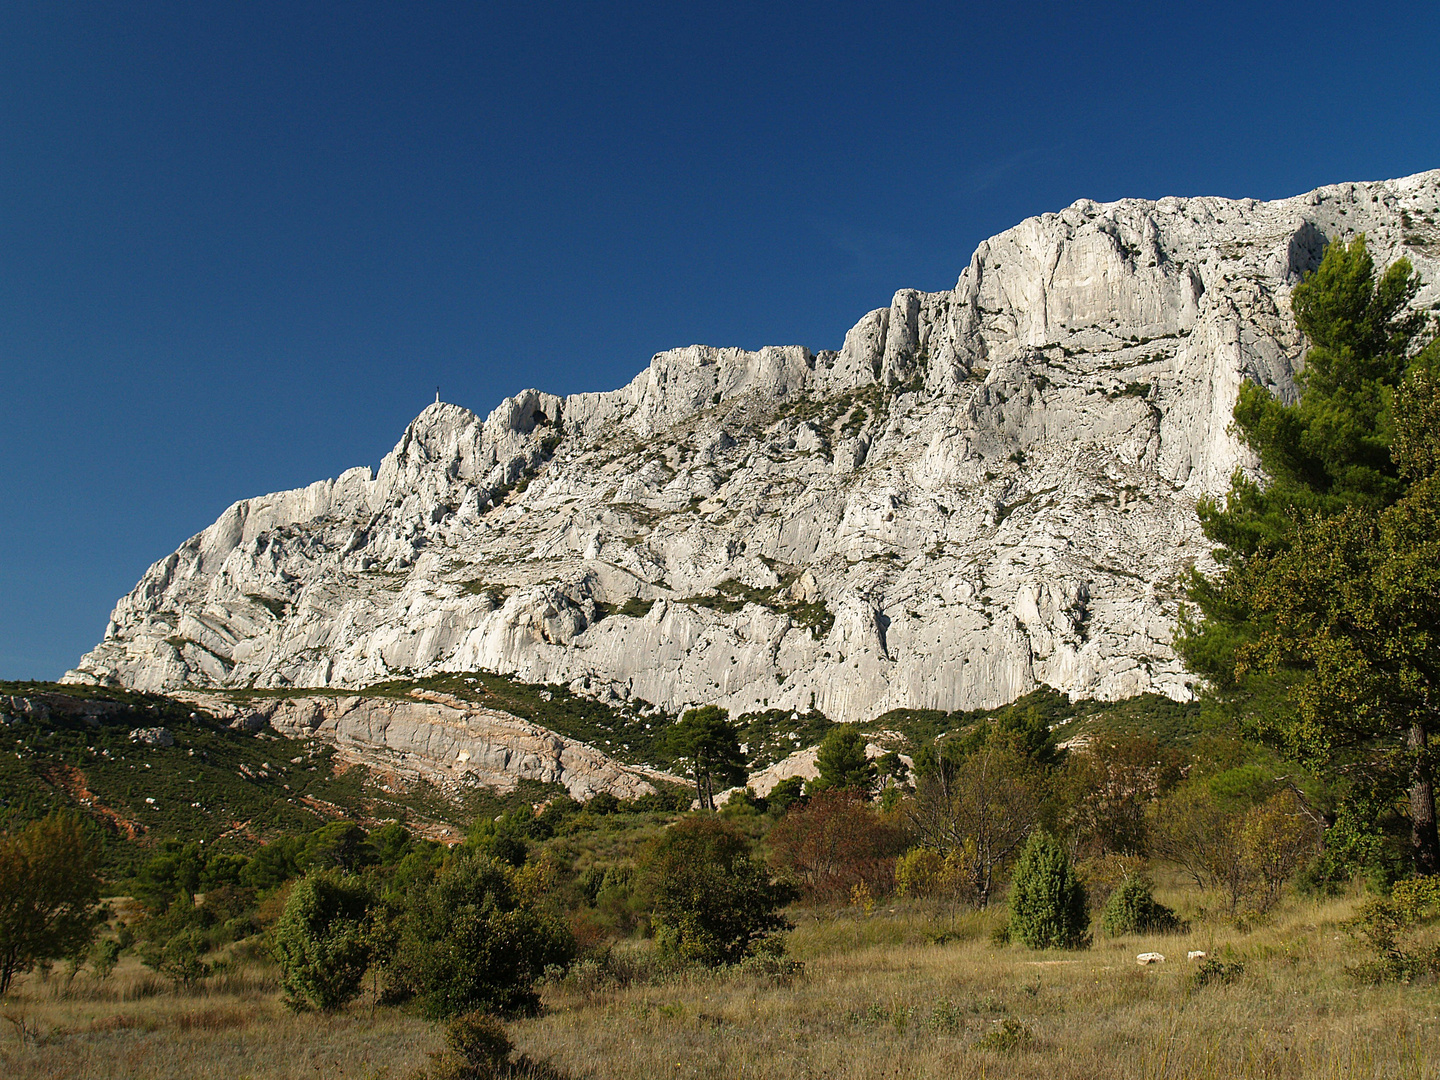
column 983, row 490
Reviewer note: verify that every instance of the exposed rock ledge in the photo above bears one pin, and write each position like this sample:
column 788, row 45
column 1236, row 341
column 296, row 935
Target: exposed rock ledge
column 439, row 738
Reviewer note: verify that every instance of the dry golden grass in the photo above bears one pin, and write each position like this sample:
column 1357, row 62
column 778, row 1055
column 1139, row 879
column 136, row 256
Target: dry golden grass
column 235, row 1027
column 878, row 999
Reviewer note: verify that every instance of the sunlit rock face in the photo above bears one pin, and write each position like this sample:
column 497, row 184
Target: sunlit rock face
column 983, row 490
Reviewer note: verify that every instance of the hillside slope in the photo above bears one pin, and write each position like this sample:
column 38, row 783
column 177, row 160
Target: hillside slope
column 985, row 490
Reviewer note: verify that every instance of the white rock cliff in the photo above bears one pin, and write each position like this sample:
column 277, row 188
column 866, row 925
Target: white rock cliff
column 985, row 489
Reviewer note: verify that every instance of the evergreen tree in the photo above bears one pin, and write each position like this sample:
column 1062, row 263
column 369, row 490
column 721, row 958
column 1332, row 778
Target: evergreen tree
column 706, row 741
column 1048, row 905
column 1294, row 613
column 320, row 941
column 713, row 902
column 843, row 763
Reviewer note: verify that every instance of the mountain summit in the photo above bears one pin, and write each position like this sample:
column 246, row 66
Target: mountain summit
column 983, row 490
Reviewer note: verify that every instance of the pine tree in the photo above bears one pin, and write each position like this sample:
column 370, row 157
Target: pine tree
column 1297, row 617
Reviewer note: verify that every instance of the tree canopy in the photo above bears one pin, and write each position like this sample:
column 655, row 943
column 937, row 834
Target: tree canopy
column 1329, row 584
column 49, row 883
column 706, row 741
column 843, row 762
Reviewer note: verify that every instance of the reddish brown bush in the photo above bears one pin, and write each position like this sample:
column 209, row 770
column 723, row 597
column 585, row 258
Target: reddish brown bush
column 835, row 842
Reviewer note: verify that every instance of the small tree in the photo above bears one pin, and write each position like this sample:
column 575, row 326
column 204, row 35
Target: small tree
column 713, row 903
column 1048, row 905
column 470, row 941
column 843, row 763
column 321, row 942
column 708, row 743
column 49, row 884
column 977, row 811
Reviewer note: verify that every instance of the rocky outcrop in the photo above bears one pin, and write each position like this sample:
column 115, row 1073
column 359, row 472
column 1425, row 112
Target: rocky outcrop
column 984, row 489
column 438, row 738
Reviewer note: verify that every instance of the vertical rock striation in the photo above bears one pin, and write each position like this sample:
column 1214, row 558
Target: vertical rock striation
column 984, row 489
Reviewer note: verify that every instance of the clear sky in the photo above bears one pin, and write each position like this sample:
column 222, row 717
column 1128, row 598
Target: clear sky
column 242, row 242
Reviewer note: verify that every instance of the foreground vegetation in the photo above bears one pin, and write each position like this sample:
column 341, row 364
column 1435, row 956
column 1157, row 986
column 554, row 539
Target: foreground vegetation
column 908, row 990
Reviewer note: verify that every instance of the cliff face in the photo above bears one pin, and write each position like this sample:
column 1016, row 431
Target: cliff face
column 984, row 489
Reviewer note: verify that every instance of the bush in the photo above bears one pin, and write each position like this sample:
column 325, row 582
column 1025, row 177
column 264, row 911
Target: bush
column 921, row 872
column 477, row 1048
column 320, row 942
column 470, row 942
column 1133, row 909
column 177, row 955
column 713, row 904
column 1388, row 926
column 1048, row 906
column 834, row 843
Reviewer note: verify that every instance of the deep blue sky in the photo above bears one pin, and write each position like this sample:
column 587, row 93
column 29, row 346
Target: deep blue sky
column 241, row 242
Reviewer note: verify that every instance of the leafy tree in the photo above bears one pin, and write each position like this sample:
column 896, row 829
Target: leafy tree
column 1105, row 789
column 470, row 941
column 388, row 844
column 977, row 811
column 1048, row 905
column 1249, row 852
column 1317, row 591
column 274, row 864
column 713, row 903
column 501, row 839
column 709, row 744
column 340, row 845
column 104, row 955
column 603, row 804
column 843, row 763
column 835, row 842
column 924, row 872
column 171, row 875
column 321, row 943
column 49, row 884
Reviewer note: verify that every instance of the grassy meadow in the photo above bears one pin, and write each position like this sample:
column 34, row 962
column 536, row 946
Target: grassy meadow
column 905, row 990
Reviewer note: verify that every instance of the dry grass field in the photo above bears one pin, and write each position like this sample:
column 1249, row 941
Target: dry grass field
column 898, row 993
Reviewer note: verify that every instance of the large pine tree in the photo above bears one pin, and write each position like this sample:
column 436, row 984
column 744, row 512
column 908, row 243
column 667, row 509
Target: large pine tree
column 1325, row 587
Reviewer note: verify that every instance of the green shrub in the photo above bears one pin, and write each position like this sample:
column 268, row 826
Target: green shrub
column 713, row 903
column 1389, row 928
column 321, row 943
column 603, row 803
column 1133, row 909
column 1006, row 1037
column 471, row 942
column 1048, row 905
column 178, row 956
column 1214, row 972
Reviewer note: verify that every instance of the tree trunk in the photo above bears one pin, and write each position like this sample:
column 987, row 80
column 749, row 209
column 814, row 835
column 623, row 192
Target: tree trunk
column 1424, row 841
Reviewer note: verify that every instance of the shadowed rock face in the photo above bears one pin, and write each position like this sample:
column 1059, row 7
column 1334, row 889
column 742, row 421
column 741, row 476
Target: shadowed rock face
column 984, row 489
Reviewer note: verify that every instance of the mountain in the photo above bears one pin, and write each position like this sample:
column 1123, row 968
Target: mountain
column 984, row 490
